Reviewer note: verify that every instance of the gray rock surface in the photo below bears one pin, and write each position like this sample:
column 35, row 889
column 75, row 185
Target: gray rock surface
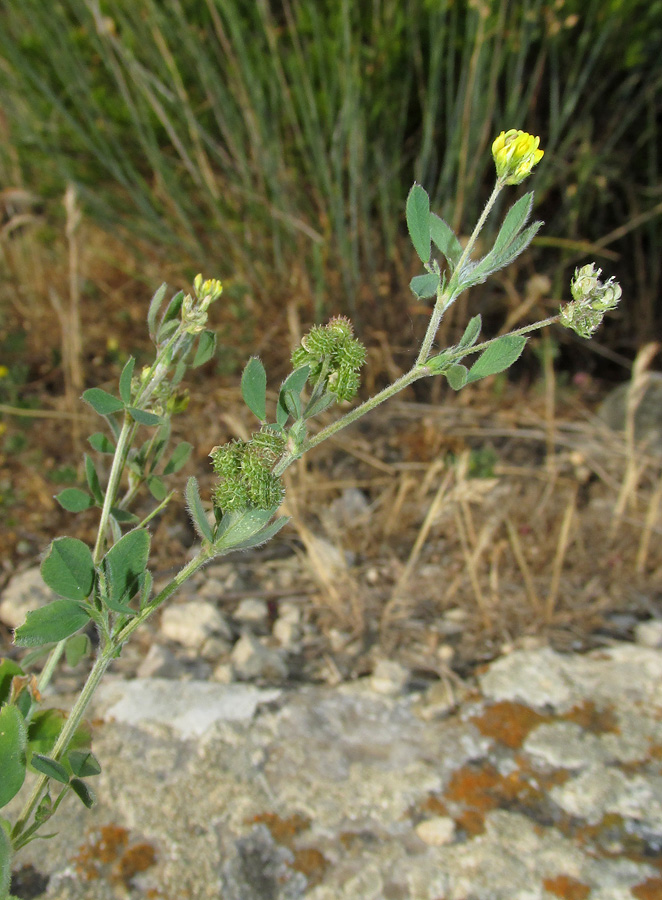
column 191, row 623
column 544, row 781
column 24, row 593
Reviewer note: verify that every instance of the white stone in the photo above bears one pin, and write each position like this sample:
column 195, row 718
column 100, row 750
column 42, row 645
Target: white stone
column 287, row 633
column 24, row 593
column 437, row 831
column 159, row 662
column 251, row 659
column 214, row 648
column 389, row 677
column 190, row 707
column 223, row 673
column 289, row 611
column 537, row 678
column 649, row 634
column 190, row 624
column 252, row 611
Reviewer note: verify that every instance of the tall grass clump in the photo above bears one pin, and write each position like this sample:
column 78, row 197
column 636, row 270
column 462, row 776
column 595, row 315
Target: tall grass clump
column 282, row 135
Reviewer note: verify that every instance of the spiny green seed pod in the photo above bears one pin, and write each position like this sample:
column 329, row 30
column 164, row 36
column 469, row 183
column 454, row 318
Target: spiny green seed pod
column 332, row 349
column 244, row 469
column 270, row 442
column 229, row 495
column 344, row 383
column 266, row 491
column 226, row 459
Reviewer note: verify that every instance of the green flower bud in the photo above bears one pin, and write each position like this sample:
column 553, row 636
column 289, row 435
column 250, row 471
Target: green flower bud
column 207, row 290
column 592, row 299
column 194, row 315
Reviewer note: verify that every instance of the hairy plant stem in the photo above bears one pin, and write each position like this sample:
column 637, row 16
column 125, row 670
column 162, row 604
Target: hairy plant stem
column 124, row 442
column 448, row 296
column 69, row 729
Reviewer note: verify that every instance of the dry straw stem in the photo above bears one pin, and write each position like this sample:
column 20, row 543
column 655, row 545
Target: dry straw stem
column 396, row 603
column 650, row 523
column 636, row 460
column 559, row 556
column 525, row 571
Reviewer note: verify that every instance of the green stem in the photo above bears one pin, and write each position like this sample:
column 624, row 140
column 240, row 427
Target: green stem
column 452, row 291
column 404, row 381
column 68, row 731
column 113, row 483
column 49, row 667
column 498, row 187
column 189, row 569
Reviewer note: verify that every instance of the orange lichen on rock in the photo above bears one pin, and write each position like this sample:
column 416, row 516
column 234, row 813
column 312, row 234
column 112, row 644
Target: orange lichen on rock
column 480, row 789
column 508, row 722
column 651, row 889
column 593, row 718
column 567, row 887
column 107, row 848
column 311, row 863
column 283, row 831
column 108, row 856
column 137, row 858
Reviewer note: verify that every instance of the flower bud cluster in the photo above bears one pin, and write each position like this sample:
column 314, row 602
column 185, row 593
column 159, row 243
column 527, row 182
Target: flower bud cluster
column 194, row 310
column 207, row 290
column 246, row 480
column 515, row 153
column 333, row 354
column 592, row 299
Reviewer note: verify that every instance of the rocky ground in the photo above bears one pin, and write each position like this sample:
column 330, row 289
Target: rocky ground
column 540, row 778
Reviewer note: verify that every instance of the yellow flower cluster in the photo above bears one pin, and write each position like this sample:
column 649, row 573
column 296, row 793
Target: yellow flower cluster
column 515, row 154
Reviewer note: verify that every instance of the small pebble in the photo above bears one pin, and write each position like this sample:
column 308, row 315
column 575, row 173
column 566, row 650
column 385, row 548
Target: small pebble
column 252, row 611
column 190, row 624
column 436, row 832
column 389, row 677
column 649, row 634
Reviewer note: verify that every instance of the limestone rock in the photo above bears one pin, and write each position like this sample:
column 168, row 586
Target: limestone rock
column 252, row 660
column 192, row 623
column 24, row 593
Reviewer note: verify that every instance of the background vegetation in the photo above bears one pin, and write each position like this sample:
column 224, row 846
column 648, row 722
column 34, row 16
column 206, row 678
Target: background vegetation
column 260, row 138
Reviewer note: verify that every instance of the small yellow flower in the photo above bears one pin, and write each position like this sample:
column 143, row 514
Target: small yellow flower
column 515, row 154
column 208, row 290
column 4, row 371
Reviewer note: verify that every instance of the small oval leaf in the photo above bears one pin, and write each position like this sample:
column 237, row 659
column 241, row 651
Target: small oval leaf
column 254, row 388
column 125, row 379
column 101, row 443
column 498, row 357
column 84, row 793
column 424, row 286
column 418, row 221
column 74, row 500
column 50, row 624
column 142, row 417
column 51, row 767
column 205, row 349
column 102, row 402
column 179, row 458
column 68, row 568
column 13, row 742
column 83, row 763
column 124, row 564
